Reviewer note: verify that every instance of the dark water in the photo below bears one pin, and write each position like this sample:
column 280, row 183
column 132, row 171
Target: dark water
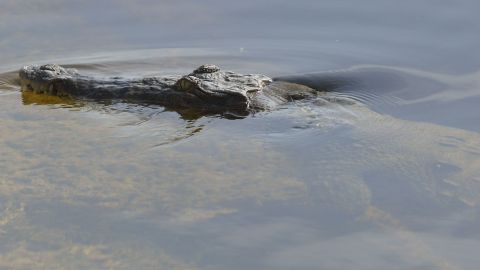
column 388, row 180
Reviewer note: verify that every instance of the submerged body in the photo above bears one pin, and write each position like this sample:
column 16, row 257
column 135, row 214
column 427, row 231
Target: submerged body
column 207, row 88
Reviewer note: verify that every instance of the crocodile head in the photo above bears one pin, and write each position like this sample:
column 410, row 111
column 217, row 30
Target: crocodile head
column 207, row 88
column 39, row 79
column 221, row 88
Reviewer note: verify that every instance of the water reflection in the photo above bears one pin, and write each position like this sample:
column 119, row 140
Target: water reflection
column 391, row 185
column 314, row 184
column 29, row 98
column 257, row 188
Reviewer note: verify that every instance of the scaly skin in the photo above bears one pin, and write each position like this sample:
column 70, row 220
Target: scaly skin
column 206, row 88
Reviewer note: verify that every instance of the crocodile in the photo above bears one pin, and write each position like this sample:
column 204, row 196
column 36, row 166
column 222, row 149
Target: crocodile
column 207, row 88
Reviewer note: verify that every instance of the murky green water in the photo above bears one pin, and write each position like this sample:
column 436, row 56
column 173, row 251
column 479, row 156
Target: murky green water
column 390, row 181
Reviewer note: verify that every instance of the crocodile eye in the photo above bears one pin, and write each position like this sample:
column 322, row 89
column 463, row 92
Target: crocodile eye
column 185, row 85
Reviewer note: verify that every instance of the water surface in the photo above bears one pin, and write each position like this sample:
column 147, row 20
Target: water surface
column 388, row 180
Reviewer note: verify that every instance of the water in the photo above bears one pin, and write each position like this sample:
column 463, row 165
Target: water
column 388, row 180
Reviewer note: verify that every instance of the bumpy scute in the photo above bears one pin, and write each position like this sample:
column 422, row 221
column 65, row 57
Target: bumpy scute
column 207, row 68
